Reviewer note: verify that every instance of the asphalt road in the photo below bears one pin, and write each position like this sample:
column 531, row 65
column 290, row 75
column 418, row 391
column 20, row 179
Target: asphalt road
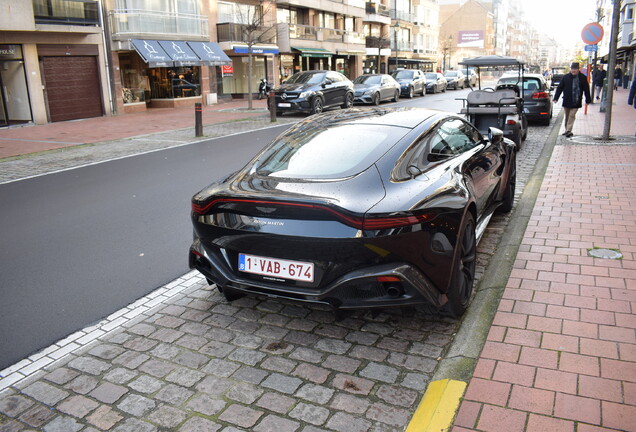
column 80, row 244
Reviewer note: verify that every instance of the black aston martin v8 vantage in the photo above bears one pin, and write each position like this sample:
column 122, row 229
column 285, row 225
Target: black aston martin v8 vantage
column 357, row 208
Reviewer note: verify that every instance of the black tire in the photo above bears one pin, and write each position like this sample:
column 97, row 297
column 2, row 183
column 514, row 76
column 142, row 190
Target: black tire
column 316, row 105
column 444, row 91
column 376, row 99
column 396, row 96
column 411, row 93
column 545, row 121
column 463, row 276
column 423, row 90
column 348, row 101
column 508, row 199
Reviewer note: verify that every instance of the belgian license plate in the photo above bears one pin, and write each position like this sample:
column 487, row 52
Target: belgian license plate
column 284, row 105
column 277, row 268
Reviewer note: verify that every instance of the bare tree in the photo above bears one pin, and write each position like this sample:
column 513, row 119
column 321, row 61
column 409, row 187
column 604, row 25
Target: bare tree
column 252, row 20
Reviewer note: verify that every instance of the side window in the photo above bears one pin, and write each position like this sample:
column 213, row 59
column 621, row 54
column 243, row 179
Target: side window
column 453, row 137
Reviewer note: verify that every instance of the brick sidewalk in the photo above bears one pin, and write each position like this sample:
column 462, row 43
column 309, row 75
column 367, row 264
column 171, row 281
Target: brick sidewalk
column 561, row 352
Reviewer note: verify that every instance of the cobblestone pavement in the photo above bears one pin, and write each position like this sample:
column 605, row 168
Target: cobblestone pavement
column 194, row 362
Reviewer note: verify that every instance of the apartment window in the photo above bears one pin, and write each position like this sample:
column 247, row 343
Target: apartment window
column 350, row 24
column 327, row 20
column 169, row 16
column 238, row 13
column 289, row 16
column 630, row 13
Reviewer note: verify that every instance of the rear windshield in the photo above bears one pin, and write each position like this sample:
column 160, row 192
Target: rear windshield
column 528, row 83
column 431, row 75
column 327, row 152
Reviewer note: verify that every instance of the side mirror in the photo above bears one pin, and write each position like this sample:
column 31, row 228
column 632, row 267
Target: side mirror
column 495, row 135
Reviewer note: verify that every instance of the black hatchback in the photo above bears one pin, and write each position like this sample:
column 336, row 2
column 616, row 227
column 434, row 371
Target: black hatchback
column 313, row 91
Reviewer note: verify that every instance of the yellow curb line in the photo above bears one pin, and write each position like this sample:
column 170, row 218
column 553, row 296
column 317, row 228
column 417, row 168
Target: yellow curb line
column 438, row 407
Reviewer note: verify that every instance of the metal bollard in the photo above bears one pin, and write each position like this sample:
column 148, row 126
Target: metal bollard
column 198, row 120
column 271, row 99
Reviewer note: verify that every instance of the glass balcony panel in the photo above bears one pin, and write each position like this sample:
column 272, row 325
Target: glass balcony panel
column 135, row 22
column 66, row 12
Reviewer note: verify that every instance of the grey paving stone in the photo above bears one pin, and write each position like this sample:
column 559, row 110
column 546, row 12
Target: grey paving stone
column 393, row 344
column 169, row 321
column 244, row 393
column 37, row 415
column 278, row 364
column 45, row 393
column 416, row 381
column 104, row 418
column 315, row 393
column 396, row 395
column 212, row 385
column 131, row 359
column 120, row 376
column 220, row 334
column 307, row 354
column 142, row 329
column 282, row 383
column 248, row 341
column 241, row 416
column 341, row 363
column 82, row 384
column 414, row 363
column 198, row 424
column 12, row 426
column 106, row 352
column 195, row 328
column 276, row 402
column 426, row 350
column 173, row 394
column 313, row 414
column 14, row 405
column 250, row 375
column 88, row 365
column 140, row 344
column 369, row 353
column 166, row 335
column 157, row 368
column 217, row 349
column 63, row 424
column 192, row 342
column 271, row 332
column 77, row 406
column 135, row 425
column 302, row 338
column 206, row 405
column 165, row 351
column 221, row 368
column 333, row 346
column 241, row 326
column 136, row 405
column 61, row 375
column 381, row 329
column 312, row 373
column 349, row 403
column 362, row 338
column 247, row 356
column 146, row 384
column 388, row 414
column 167, row 416
column 380, row 372
column 108, row 393
column 353, row 384
column 275, row 423
column 329, row 330
column 343, row 422
column 185, row 377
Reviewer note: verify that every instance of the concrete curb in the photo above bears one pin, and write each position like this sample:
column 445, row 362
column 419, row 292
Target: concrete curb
column 455, row 370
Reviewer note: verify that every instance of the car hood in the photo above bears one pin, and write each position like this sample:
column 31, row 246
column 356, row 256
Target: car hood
column 356, row 194
column 404, row 81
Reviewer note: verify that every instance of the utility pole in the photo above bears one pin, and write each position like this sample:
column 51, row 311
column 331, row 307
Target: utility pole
column 610, row 68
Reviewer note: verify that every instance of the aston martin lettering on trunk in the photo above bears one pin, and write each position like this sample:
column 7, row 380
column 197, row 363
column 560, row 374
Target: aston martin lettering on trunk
column 278, row 268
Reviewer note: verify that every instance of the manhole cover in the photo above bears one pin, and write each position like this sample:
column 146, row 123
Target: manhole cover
column 605, row 253
column 596, row 140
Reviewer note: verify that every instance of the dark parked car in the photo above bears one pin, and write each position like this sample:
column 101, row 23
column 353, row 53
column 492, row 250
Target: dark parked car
column 375, row 88
column 557, row 75
column 537, row 100
column 435, row 82
column 456, row 79
column 360, row 208
column 313, row 91
column 412, row 81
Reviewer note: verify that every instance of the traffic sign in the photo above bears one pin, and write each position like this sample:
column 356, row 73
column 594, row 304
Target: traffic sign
column 592, row 33
column 591, row 47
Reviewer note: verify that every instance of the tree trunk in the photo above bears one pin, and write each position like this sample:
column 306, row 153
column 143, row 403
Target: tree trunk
column 610, row 69
column 249, row 77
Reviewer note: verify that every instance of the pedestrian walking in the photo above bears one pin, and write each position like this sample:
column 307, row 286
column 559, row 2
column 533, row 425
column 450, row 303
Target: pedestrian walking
column 573, row 86
column 597, row 78
column 618, row 77
column 631, row 99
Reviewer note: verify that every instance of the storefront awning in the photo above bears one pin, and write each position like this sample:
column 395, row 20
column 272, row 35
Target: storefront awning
column 256, row 49
column 152, row 53
column 314, row 52
column 180, row 53
column 210, row 53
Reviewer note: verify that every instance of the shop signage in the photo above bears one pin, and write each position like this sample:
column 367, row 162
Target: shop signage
column 591, row 48
column 244, row 49
column 227, row 70
column 210, row 53
column 180, row 53
column 12, row 52
column 152, row 52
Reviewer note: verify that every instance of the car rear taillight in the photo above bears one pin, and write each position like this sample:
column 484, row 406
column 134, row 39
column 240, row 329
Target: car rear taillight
column 511, row 122
column 362, row 223
column 540, row 95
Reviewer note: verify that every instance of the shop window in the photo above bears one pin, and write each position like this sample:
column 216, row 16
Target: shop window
column 236, row 83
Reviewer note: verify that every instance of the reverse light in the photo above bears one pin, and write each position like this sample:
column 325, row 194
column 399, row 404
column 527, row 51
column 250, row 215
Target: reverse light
column 540, row 95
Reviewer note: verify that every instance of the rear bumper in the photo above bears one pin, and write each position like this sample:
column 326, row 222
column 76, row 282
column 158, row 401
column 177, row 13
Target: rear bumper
column 358, row 289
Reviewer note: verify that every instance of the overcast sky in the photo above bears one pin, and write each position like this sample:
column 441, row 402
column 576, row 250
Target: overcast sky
column 563, row 19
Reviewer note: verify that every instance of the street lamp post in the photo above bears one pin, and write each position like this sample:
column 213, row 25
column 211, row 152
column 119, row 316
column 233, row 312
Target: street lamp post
column 396, row 27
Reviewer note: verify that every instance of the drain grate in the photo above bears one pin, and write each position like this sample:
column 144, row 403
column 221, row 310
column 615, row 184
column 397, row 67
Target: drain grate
column 594, row 140
column 613, row 254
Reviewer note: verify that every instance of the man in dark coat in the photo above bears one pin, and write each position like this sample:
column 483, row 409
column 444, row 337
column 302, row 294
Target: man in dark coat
column 573, row 86
column 598, row 76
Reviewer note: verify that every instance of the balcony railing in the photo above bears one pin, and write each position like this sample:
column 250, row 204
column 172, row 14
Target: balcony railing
column 378, row 9
column 299, row 31
column 402, row 46
column 125, row 23
column 377, row 42
column 231, row 32
column 68, row 12
column 402, row 16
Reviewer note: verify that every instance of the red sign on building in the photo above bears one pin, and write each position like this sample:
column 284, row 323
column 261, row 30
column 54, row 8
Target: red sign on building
column 227, row 70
